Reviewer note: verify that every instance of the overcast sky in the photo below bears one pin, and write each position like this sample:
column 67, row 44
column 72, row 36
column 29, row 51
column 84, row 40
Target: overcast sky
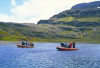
column 31, row 11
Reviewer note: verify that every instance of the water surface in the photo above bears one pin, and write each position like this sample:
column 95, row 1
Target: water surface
column 45, row 55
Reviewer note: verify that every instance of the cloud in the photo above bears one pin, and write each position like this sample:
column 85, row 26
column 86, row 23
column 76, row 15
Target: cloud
column 13, row 2
column 34, row 10
column 6, row 18
column 43, row 9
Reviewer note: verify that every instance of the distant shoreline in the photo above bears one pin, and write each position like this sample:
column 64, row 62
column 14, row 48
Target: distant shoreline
column 49, row 42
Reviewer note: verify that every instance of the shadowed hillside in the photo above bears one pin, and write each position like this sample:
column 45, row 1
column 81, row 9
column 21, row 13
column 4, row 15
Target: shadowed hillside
column 84, row 6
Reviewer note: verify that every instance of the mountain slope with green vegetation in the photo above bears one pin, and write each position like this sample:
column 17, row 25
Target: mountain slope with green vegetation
column 76, row 25
column 48, row 33
column 87, row 16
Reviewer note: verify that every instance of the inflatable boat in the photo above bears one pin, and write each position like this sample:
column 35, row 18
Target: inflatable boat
column 63, row 48
column 24, row 46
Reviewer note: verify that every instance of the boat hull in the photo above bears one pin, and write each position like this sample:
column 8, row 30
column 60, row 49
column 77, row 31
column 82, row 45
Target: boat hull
column 63, row 48
column 24, row 46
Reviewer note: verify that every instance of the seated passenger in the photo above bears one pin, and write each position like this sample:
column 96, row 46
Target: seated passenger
column 26, row 43
column 31, row 44
column 62, row 44
column 66, row 46
column 73, row 44
column 70, row 45
column 23, row 43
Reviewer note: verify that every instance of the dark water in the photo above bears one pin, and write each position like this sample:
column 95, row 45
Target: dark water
column 45, row 55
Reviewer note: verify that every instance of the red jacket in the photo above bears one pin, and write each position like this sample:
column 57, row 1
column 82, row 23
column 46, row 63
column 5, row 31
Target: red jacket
column 70, row 44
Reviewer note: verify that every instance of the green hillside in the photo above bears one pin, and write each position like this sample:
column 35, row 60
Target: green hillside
column 76, row 25
column 48, row 33
column 85, row 19
column 88, row 17
column 77, row 16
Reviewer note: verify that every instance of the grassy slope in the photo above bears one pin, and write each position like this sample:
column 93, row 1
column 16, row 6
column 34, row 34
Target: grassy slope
column 91, row 36
column 86, row 19
column 48, row 33
column 89, row 19
column 66, row 19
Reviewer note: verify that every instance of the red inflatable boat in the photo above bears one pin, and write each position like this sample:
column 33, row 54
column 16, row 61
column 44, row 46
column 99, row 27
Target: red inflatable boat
column 63, row 48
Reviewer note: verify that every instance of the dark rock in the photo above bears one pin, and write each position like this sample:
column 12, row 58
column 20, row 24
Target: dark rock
column 45, row 22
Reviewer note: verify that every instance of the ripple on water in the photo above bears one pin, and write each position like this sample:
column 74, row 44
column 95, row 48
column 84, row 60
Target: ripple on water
column 45, row 55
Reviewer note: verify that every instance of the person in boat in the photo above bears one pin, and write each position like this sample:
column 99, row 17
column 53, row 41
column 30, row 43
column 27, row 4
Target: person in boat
column 70, row 45
column 26, row 43
column 64, row 45
column 23, row 43
column 31, row 44
column 73, row 44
